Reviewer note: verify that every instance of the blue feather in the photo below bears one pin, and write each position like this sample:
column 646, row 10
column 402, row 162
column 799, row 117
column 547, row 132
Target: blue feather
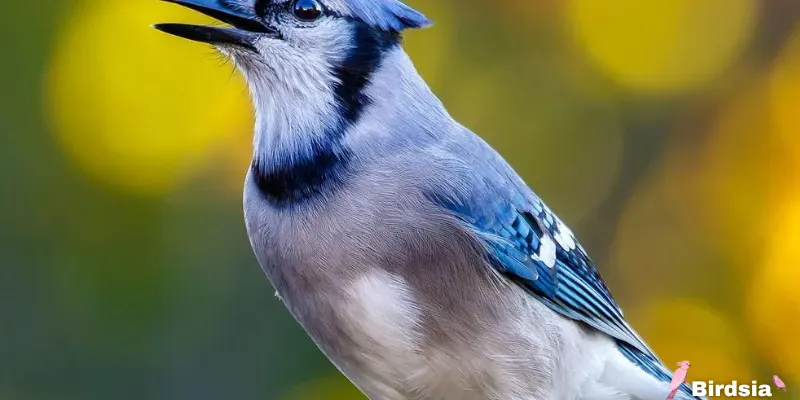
column 390, row 15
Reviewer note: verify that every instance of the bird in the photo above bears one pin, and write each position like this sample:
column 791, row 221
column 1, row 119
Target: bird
column 411, row 253
column 779, row 383
column 678, row 378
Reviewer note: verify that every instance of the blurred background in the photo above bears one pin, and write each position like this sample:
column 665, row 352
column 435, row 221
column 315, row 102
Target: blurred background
column 664, row 132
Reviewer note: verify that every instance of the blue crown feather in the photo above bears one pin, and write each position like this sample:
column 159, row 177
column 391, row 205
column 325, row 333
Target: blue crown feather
column 382, row 14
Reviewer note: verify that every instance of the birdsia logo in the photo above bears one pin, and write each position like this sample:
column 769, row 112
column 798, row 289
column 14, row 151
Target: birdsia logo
column 733, row 389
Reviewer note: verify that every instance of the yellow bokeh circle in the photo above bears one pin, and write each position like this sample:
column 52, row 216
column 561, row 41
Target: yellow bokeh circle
column 134, row 107
column 662, row 46
column 774, row 299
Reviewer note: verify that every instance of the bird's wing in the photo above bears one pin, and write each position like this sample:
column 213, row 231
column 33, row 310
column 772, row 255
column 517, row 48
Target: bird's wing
column 526, row 242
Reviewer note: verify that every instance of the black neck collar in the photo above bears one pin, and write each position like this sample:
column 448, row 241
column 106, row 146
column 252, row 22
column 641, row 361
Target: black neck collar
column 293, row 178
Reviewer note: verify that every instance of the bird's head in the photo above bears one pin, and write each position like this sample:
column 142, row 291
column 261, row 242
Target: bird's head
column 303, row 57
column 684, row 364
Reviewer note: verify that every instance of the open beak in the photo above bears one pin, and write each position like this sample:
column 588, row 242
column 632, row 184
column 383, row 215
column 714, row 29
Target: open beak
column 245, row 28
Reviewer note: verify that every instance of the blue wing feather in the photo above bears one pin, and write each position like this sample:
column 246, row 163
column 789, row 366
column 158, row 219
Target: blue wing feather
column 514, row 223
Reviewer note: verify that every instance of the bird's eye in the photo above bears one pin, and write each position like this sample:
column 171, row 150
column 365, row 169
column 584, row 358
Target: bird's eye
column 307, row 10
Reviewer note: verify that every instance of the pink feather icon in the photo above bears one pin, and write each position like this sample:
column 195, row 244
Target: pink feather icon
column 779, row 383
column 678, row 378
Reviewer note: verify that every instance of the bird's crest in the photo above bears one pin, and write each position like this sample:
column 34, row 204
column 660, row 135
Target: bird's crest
column 389, row 15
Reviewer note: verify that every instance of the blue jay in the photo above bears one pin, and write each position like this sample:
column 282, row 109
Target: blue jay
column 413, row 255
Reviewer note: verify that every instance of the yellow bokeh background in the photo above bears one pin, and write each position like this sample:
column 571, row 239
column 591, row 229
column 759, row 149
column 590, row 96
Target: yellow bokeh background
column 665, row 133
column 663, row 46
column 773, row 301
column 133, row 109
